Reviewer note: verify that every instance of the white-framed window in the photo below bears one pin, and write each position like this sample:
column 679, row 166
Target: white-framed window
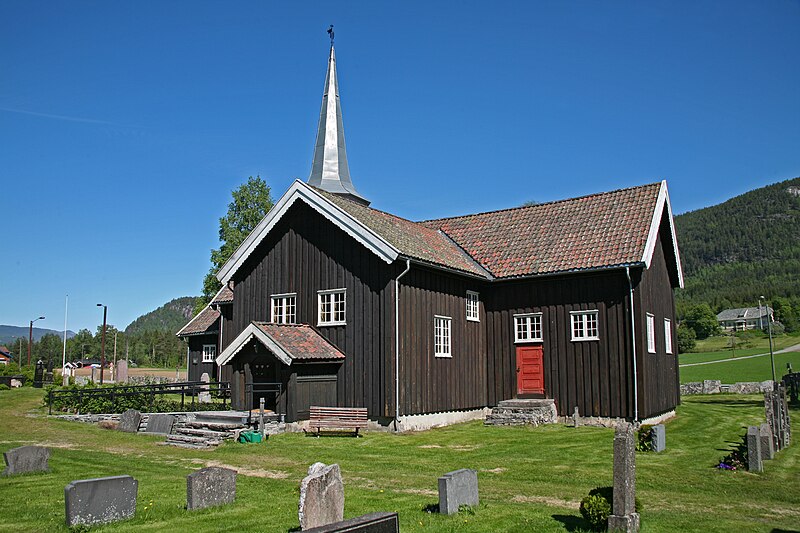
column 668, row 335
column 284, row 308
column 332, row 307
column 209, row 353
column 473, row 306
column 584, row 325
column 528, row 327
column 651, row 333
column 442, row 326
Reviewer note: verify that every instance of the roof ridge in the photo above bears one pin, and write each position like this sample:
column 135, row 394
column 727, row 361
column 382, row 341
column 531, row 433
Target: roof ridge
column 365, row 206
column 552, row 202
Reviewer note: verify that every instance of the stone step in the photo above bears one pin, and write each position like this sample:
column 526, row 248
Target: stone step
column 216, row 426
column 200, row 432
column 518, row 412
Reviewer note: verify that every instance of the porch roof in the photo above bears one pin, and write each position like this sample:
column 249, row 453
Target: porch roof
column 288, row 342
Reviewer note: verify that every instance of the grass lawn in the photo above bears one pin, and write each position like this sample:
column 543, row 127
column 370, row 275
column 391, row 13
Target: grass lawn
column 531, row 479
column 715, row 348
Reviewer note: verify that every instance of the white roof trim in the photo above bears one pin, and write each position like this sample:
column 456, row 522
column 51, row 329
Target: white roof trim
column 342, row 219
column 650, row 246
column 192, row 320
column 253, row 332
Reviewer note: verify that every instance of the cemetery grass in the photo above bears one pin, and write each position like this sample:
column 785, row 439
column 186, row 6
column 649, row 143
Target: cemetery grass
column 530, row 479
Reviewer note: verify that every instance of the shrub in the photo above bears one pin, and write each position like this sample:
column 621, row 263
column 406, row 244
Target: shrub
column 3, row 386
column 596, row 507
column 644, row 441
column 686, row 339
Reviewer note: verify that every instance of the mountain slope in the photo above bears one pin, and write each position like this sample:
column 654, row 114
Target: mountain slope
column 171, row 317
column 745, row 247
column 9, row 333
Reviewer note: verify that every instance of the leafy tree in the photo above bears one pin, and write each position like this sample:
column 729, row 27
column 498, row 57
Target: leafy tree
column 702, row 320
column 251, row 201
column 686, row 338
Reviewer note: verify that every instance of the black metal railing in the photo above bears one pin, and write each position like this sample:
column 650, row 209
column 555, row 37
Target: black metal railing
column 253, row 391
column 187, row 389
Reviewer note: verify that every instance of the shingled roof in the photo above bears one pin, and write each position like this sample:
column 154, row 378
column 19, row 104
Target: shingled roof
column 204, row 322
column 287, row 342
column 599, row 230
column 224, row 296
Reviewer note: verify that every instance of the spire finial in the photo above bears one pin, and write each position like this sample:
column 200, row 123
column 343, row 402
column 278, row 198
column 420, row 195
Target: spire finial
column 330, row 33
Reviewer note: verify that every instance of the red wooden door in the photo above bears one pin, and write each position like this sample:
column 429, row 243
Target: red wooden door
column 530, row 370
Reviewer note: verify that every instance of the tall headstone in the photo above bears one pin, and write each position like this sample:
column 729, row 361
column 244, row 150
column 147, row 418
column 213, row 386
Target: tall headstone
column 458, row 488
column 160, row 423
column 26, row 459
column 659, row 438
column 205, row 394
column 321, row 496
column 767, row 447
column 129, row 421
column 101, row 500
column 624, row 516
column 38, row 375
column 210, row 487
column 122, row 371
column 754, row 463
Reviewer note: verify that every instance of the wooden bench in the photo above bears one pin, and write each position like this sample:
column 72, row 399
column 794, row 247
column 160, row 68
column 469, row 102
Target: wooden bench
column 337, row 418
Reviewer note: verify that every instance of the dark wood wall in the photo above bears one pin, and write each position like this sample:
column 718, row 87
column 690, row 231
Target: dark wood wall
column 430, row 384
column 596, row 375
column 659, row 386
column 197, row 368
column 303, row 254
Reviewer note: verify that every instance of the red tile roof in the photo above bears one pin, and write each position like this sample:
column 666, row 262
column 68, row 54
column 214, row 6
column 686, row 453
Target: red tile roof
column 224, row 296
column 204, row 322
column 598, row 230
column 301, row 341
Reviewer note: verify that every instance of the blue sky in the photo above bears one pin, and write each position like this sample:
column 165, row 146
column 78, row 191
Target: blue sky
column 124, row 126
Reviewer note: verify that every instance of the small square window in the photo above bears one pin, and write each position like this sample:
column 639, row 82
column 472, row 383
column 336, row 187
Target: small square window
column 284, row 308
column 668, row 335
column 332, row 307
column 528, row 327
column 209, row 353
column 651, row 333
column 473, row 306
column 584, row 325
column 441, row 336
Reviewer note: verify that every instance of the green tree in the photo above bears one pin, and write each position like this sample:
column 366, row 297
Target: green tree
column 686, row 339
column 702, row 320
column 251, row 201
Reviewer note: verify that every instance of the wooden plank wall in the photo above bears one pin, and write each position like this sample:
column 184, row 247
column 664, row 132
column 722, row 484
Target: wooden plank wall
column 430, row 384
column 196, row 343
column 659, row 389
column 592, row 375
column 303, row 254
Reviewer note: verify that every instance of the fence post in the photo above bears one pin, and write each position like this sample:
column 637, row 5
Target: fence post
column 50, row 403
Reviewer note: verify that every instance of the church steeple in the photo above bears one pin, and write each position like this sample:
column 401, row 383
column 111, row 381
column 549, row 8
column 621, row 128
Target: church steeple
column 329, row 171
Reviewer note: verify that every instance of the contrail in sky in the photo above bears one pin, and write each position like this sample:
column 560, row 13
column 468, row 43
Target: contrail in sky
column 56, row 117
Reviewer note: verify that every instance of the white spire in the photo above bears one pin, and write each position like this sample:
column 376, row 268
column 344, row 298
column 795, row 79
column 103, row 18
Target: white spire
column 329, row 171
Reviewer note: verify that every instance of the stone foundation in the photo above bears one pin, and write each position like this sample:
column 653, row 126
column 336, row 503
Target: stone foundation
column 523, row 413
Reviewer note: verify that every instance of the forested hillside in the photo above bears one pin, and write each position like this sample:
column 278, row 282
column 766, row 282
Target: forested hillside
column 749, row 246
column 171, row 317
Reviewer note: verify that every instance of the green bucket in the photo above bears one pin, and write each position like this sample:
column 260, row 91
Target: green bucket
column 249, row 436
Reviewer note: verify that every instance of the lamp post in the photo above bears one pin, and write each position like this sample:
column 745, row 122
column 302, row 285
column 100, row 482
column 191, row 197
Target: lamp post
column 103, row 343
column 769, row 328
column 30, row 337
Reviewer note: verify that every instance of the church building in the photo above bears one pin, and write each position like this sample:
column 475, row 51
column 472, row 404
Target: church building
column 331, row 302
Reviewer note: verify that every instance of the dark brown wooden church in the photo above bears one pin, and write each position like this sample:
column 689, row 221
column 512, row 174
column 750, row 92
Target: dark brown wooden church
column 331, row 302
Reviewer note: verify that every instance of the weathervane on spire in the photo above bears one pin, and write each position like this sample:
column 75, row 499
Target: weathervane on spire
column 330, row 33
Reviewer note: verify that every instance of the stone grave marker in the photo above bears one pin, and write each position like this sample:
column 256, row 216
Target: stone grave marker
column 321, row 496
column 122, row 371
column 160, row 423
column 101, row 500
column 754, row 463
column 458, row 488
column 623, row 515
column 659, row 438
column 26, row 459
column 129, row 421
column 368, row 523
column 205, row 394
column 210, row 487
column 767, row 444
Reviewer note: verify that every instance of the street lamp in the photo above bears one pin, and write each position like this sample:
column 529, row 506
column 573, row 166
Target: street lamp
column 30, row 337
column 103, row 343
column 769, row 328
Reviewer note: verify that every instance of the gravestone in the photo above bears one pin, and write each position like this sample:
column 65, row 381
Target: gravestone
column 210, row 487
column 458, row 488
column 205, row 394
column 368, row 523
column 129, row 421
column 754, row 463
column 624, row 516
column 160, row 423
column 122, row 371
column 767, row 446
column 321, row 496
column 38, row 375
column 101, row 500
column 659, row 438
column 26, row 459
column 576, row 417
